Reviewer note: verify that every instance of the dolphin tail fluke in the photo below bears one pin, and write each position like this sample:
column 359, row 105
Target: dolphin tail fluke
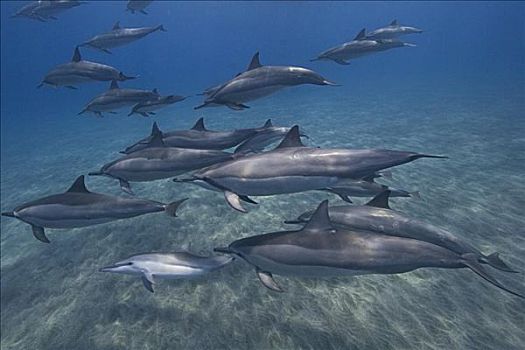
column 161, row 28
column 171, row 209
column 495, row 261
column 9, row 214
column 39, row 234
column 315, row 59
column 126, row 187
column 471, row 261
column 40, row 85
column 131, row 113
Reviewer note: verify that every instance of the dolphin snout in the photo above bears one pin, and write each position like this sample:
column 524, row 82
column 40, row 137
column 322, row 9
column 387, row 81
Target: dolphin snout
column 328, row 82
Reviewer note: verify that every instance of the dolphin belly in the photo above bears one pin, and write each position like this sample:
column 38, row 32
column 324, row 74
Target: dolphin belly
column 246, row 94
column 275, row 185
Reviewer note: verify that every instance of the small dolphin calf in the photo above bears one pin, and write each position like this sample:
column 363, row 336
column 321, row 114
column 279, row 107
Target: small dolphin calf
column 292, row 167
column 46, row 10
column 79, row 71
column 392, row 31
column 360, row 46
column 135, row 5
column 198, row 137
column 377, row 216
column 167, row 266
column 119, row 37
column 116, row 98
column 321, row 249
column 158, row 161
column 147, row 108
column 79, row 207
column 259, row 81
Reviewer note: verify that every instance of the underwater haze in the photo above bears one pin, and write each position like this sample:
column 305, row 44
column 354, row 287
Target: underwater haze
column 460, row 92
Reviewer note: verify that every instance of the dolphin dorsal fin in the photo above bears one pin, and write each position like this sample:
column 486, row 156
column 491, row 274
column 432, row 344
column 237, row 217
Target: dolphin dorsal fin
column 292, row 139
column 380, row 201
column 254, row 63
column 155, row 129
column 116, row 26
column 320, row 220
column 199, row 125
column 394, row 23
column 114, row 85
column 78, row 186
column 268, row 124
column 156, row 140
column 76, row 55
column 361, row 35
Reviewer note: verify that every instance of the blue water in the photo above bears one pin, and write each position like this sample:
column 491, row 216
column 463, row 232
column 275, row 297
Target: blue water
column 460, row 92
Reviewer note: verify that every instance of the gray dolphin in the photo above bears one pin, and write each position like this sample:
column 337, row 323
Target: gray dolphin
column 135, row 5
column 264, row 138
column 46, row 10
column 360, row 46
column 366, row 187
column 116, row 98
column 79, row 71
column 392, row 31
column 292, row 167
column 198, row 137
column 147, row 108
column 158, row 161
column 78, row 207
column 321, row 249
column 167, row 266
column 119, row 36
column 259, row 81
column 377, row 216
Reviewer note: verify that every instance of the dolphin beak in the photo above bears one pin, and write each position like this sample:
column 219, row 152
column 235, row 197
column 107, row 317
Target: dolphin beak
column 223, row 250
column 328, row 82
column 293, row 222
column 107, row 269
column 410, row 45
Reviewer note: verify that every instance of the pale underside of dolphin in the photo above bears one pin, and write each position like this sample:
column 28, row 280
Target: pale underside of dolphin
column 119, row 37
column 79, row 71
column 178, row 265
column 320, row 249
column 259, row 81
column 79, row 207
column 292, row 167
column 159, row 161
column 150, row 107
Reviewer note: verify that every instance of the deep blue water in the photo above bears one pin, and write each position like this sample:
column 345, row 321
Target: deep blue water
column 460, row 92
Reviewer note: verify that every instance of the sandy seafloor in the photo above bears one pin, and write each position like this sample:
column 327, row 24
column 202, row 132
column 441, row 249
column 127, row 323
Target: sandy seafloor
column 54, row 298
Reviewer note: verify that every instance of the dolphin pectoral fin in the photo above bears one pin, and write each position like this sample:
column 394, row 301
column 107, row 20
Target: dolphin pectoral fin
column 39, row 234
column 234, row 201
column 126, row 187
column 340, row 61
column 236, row 106
column 147, row 280
column 247, row 199
column 267, row 280
column 471, row 261
column 143, row 12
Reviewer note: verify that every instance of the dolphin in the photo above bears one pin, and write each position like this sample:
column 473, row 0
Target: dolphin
column 259, row 81
column 199, row 137
column 79, row 207
column 366, row 187
column 139, row 6
column 79, row 71
column 292, row 167
column 167, row 266
column 265, row 137
column 119, row 36
column 158, row 161
column 392, row 31
column 360, row 46
column 321, row 249
column 147, row 108
column 46, row 10
column 116, row 98
column 377, row 216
